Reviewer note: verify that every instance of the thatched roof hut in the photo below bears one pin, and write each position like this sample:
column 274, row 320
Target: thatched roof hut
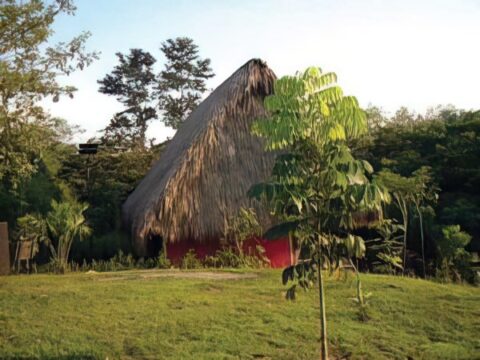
column 206, row 170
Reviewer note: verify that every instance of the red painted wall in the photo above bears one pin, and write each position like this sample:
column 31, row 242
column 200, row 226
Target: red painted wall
column 277, row 251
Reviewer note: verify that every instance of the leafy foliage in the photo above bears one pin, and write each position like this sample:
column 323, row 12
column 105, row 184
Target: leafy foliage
column 447, row 141
column 241, row 227
column 228, row 257
column 182, row 81
column 191, row 261
column 387, row 248
column 132, row 82
column 32, row 227
column 66, row 223
column 317, row 185
column 29, row 69
column 453, row 257
column 435, row 155
column 105, row 180
column 410, row 192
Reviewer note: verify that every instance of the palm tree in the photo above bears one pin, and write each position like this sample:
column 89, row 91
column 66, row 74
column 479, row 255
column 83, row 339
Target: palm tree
column 66, row 223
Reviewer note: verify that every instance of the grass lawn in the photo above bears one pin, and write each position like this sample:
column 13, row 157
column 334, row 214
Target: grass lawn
column 145, row 315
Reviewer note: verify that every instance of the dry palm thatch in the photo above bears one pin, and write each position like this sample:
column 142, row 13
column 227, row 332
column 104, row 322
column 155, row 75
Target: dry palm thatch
column 206, row 170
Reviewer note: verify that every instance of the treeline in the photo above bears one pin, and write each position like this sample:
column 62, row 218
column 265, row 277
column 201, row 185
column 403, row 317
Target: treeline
column 430, row 165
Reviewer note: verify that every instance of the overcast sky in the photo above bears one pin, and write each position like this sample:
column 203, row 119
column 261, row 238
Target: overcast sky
column 387, row 53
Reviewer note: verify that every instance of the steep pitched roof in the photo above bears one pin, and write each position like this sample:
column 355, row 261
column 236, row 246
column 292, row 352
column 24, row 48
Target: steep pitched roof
column 204, row 173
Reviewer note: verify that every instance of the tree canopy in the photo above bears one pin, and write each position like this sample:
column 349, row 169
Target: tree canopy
column 132, row 83
column 29, row 71
column 182, row 81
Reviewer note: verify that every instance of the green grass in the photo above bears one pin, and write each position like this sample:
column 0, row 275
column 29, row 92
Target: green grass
column 82, row 316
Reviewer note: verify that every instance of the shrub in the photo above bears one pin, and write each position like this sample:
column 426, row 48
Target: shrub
column 241, row 227
column 191, row 261
column 454, row 260
column 224, row 258
column 228, row 257
column 66, row 223
column 163, row 262
column 385, row 250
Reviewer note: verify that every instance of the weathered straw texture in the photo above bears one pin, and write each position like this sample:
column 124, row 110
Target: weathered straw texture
column 206, row 170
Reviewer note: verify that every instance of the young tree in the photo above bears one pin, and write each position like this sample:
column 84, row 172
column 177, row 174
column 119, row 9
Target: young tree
column 182, row 82
column 132, row 82
column 29, row 69
column 410, row 192
column 401, row 189
column 317, row 185
column 425, row 191
column 453, row 258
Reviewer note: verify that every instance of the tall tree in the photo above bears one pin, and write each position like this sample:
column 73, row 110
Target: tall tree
column 402, row 190
column 29, row 69
column 182, row 82
column 425, row 191
column 132, row 82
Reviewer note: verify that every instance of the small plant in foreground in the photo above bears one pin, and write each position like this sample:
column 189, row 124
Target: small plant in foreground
column 355, row 247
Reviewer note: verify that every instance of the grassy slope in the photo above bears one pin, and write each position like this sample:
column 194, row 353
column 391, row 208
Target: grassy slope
column 72, row 316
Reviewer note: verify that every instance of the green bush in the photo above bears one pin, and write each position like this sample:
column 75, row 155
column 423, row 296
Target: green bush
column 163, row 262
column 453, row 259
column 191, row 261
column 228, row 257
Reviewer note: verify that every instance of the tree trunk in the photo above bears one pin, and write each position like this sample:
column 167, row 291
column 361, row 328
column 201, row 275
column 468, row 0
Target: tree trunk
column 405, row 224
column 323, row 315
column 359, row 283
column 420, row 218
column 403, row 209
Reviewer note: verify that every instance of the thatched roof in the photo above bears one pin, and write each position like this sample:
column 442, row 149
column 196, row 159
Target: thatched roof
column 206, row 170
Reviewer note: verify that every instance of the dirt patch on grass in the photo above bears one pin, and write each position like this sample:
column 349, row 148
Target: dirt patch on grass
column 155, row 274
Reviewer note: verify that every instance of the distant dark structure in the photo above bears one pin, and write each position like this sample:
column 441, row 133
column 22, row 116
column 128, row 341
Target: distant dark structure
column 87, row 149
column 4, row 250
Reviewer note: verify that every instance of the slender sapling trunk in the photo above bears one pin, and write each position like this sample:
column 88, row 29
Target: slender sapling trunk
column 323, row 315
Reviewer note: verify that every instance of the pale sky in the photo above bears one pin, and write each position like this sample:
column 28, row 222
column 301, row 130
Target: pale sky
column 388, row 53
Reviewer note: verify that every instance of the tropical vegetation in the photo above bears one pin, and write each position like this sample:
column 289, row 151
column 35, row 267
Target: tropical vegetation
column 356, row 190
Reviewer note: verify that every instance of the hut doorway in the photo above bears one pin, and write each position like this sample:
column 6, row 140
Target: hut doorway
column 154, row 245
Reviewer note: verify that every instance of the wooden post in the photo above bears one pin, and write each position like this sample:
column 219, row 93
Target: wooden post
column 4, row 249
